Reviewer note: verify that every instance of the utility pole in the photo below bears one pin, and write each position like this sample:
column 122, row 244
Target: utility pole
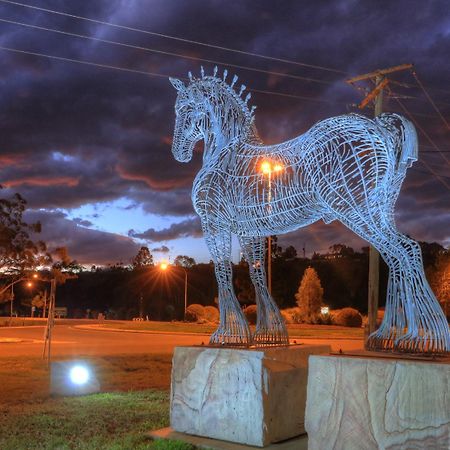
column 376, row 95
column 46, row 352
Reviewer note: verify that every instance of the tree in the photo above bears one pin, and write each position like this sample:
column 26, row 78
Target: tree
column 309, row 296
column 184, row 261
column 19, row 254
column 290, row 252
column 143, row 259
column 439, row 277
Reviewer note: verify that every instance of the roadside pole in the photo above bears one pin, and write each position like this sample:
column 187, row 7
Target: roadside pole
column 376, row 95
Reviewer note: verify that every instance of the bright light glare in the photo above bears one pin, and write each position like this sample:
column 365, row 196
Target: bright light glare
column 324, row 310
column 265, row 167
column 79, row 375
column 163, row 266
column 278, row 168
column 29, row 284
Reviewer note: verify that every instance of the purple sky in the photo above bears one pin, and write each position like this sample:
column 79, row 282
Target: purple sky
column 89, row 148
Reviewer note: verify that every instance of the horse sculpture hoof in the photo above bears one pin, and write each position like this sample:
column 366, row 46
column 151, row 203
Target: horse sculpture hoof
column 263, row 337
column 423, row 343
column 228, row 338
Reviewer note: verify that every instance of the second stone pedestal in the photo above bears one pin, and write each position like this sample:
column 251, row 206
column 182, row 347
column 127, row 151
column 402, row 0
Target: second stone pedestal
column 250, row 396
column 367, row 403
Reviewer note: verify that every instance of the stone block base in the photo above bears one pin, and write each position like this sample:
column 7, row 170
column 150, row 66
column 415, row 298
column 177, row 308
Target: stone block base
column 249, row 396
column 377, row 403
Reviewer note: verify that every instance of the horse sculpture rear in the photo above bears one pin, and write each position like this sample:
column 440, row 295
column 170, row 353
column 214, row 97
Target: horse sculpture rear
column 347, row 168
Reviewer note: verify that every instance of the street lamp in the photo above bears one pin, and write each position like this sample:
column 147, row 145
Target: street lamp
column 164, row 266
column 267, row 168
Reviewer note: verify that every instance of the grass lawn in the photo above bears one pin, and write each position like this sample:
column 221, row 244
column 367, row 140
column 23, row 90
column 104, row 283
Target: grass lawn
column 117, row 418
column 295, row 331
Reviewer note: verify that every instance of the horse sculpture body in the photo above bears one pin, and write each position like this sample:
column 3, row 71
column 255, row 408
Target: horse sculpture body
column 347, row 168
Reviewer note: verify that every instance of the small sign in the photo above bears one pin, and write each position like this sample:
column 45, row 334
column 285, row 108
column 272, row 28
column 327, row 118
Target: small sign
column 60, row 311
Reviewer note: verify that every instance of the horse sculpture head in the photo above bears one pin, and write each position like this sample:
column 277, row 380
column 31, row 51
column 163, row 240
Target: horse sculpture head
column 208, row 109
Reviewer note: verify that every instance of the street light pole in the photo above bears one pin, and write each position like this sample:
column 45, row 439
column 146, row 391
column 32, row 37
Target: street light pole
column 269, row 241
column 185, row 292
column 12, row 301
column 267, row 168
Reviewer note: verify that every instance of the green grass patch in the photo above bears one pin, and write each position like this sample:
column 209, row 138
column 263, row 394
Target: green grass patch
column 295, row 331
column 112, row 421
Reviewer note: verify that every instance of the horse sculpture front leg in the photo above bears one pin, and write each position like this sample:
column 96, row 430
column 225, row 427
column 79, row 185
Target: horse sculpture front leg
column 270, row 326
column 233, row 328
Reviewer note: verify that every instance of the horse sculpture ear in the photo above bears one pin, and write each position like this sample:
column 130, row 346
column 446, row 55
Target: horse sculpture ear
column 177, row 84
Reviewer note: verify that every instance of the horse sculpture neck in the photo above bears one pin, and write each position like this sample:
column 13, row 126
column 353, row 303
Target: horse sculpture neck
column 227, row 119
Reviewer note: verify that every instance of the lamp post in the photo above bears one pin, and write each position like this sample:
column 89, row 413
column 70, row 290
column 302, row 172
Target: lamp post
column 267, row 168
column 164, row 266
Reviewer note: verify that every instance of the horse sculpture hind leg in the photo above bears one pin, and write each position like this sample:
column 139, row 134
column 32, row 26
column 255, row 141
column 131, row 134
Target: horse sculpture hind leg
column 270, row 326
column 233, row 328
column 413, row 319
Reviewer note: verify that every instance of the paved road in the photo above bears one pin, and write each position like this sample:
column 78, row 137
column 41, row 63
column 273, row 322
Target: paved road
column 73, row 341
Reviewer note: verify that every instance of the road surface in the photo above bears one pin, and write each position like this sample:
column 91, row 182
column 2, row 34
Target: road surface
column 75, row 341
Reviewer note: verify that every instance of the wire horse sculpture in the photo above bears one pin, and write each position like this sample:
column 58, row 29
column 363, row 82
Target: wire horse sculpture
column 347, row 168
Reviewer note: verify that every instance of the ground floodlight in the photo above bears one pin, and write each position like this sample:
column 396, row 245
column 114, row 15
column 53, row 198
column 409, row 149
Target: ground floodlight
column 79, row 375
column 73, row 378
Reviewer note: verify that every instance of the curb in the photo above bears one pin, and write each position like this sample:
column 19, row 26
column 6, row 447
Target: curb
column 187, row 333
column 121, row 330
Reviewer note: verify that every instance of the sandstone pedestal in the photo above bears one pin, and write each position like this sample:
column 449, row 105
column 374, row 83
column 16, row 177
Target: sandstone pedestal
column 377, row 403
column 249, row 396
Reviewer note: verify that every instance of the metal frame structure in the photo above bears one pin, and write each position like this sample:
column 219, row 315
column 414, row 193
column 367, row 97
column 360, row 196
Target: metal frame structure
column 347, row 168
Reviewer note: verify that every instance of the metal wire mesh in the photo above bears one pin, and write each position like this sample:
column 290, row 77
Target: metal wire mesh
column 347, row 168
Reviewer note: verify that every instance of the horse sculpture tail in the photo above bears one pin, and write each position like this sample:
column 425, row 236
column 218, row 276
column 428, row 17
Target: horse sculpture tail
column 405, row 144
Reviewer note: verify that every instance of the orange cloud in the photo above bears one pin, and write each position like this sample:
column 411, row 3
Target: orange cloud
column 171, row 183
column 43, row 181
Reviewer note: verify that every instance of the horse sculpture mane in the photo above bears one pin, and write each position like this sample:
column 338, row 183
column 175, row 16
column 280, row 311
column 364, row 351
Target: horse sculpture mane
column 347, row 168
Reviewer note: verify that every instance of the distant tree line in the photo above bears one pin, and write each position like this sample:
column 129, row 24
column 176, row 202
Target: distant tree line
column 142, row 289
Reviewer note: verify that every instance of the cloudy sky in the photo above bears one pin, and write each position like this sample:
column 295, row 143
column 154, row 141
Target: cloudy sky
column 89, row 147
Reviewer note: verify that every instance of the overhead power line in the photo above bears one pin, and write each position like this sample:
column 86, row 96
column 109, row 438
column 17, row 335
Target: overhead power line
column 430, row 99
column 175, row 38
column 438, row 176
column 423, row 131
column 162, row 52
column 191, row 41
column 88, row 63
column 143, row 72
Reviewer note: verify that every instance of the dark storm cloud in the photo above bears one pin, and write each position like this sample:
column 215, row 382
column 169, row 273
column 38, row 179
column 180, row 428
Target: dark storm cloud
column 82, row 222
column 72, row 135
column 186, row 228
column 162, row 249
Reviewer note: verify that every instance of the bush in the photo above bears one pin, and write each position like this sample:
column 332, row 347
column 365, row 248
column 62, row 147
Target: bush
column 291, row 315
column 348, row 317
column 325, row 319
column 211, row 314
column 250, row 314
column 195, row 313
